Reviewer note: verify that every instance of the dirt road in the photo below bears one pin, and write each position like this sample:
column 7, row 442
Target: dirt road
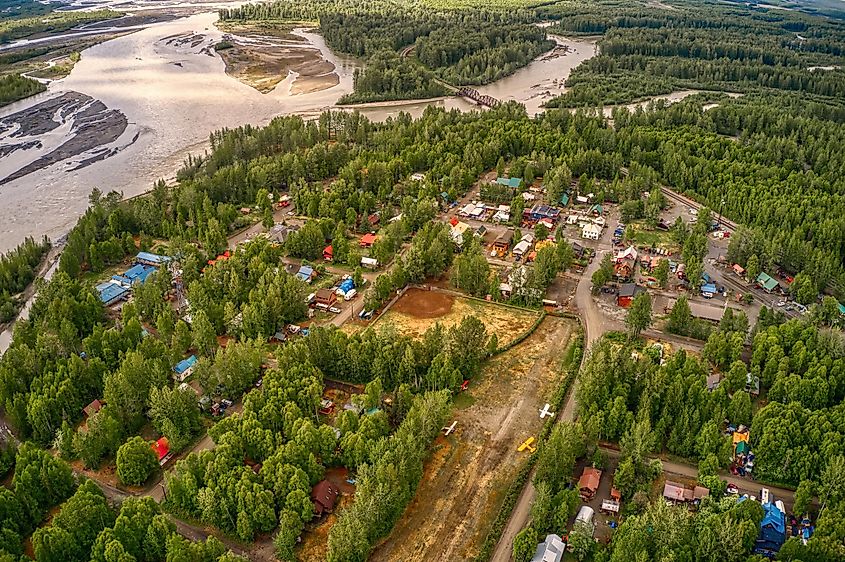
column 595, row 325
column 465, row 480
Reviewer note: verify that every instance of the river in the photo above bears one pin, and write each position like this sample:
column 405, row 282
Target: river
column 173, row 94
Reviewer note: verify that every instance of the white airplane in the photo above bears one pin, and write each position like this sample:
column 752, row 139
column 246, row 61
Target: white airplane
column 545, row 412
column 449, row 429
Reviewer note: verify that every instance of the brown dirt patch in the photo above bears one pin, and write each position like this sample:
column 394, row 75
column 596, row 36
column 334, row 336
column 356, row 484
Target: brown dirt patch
column 417, row 303
column 465, row 479
column 418, row 310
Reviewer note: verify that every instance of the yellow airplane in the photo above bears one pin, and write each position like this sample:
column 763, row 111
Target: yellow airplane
column 526, row 445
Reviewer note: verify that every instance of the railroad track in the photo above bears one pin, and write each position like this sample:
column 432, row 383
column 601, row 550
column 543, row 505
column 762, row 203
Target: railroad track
column 678, row 198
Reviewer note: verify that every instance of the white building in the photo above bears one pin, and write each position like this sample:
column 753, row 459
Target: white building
column 591, row 232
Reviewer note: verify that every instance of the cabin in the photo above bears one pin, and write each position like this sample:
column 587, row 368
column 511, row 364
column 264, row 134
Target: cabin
column 92, row 408
column 765, row 282
column 503, row 242
column 306, row 273
column 184, row 368
column 324, row 495
column 328, row 253
column 514, row 183
column 588, row 484
column 676, row 493
column 368, row 240
column 162, row 450
column 627, row 293
column 373, row 219
column 325, row 297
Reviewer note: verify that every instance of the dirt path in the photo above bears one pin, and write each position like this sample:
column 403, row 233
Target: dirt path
column 466, row 478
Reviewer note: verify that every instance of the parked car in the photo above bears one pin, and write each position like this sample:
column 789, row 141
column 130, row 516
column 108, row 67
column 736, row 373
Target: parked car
column 334, row 309
column 226, row 402
column 731, row 490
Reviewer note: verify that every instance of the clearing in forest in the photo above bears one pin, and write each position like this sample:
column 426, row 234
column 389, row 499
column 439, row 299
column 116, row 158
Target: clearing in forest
column 469, row 472
column 418, row 310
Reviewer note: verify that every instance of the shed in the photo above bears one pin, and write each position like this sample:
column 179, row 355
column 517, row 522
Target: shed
column 370, row 263
column 743, row 448
column 564, row 200
column 588, row 484
column 368, row 240
column 700, row 492
column 92, row 408
column 324, row 496
column 373, row 219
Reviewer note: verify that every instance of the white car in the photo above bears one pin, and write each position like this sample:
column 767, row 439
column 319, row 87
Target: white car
column 334, row 309
column 780, row 303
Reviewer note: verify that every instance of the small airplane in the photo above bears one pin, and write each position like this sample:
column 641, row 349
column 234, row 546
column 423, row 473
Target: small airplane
column 527, row 445
column 450, row 428
column 545, row 412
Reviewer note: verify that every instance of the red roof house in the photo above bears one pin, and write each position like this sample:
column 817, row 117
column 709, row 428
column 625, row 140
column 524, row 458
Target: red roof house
column 368, row 240
column 161, row 448
column 328, row 253
column 324, row 495
column 92, row 408
column 588, row 484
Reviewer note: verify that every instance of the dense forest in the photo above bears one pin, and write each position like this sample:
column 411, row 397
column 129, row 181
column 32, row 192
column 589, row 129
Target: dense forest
column 646, row 51
column 17, row 271
column 14, row 87
column 459, row 46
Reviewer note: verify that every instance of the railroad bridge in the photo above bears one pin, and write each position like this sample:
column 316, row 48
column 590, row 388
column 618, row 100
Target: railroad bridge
column 478, row 97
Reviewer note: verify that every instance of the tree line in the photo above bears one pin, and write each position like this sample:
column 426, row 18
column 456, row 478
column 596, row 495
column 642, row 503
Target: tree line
column 17, row 271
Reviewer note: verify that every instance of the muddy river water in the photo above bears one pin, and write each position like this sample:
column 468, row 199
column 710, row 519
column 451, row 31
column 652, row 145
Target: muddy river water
column 173, row 94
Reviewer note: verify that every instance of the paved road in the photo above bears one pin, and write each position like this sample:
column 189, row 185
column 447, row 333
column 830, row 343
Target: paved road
column 595, row 325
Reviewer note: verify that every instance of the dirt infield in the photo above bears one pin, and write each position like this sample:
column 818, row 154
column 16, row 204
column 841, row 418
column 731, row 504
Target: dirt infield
column 418, row 310
column 465, row 479
column 417, row 303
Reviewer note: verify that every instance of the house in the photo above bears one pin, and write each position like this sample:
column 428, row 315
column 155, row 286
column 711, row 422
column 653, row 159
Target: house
column 626, row 295
column 92, row 408
column 578, row 249
column 676, row 493
column 369, row 263
column 306, row 273
column 547, row 222
column 514, row 183
column 591, row 232
column 162, row 450
column 629, row 253
column 588, row 484
column 325, row 297
column 368, row 240
column 147, row 258
column 502, row 214
column 623, row 270
column 765, row 282
column 713, row 381
column 328, row 253
column 503, row 242
column 738, row 269
column 184, row 368
column 564, row 200
column 280, row 232
column 522, row 247
column 538, row 212
column 324, row 495
column 596, row 210
column 111, row 292
column 772, row 530
column 457, row 232
column 550, row 550
column 138, row 273
column 373, row 219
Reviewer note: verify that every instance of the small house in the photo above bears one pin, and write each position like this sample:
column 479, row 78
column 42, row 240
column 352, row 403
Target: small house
column 457, row 232
column 765, row 282
column 626, row 295
column 550, row 550
column 184, row 368
column 503, row 242
column 514, row 183
column 738, row 269
column 92, row 408
column 591, row 231
column 324, row 495
column 306, row 273
column 373, row 219
column 713, row 381
column 596, row 210
column 162, row 450
column 111, row 292
column 368, row 240
column 676, row 493
column 369, row 263
column 328, row 253
column 325, row 297
column 538, row 212
column 564, row 200
column 588, row 484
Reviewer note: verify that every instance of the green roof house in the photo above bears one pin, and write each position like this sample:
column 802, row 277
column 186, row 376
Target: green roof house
column 564, row 200
column 510, row 182
column 766, row 282
column 841, row 308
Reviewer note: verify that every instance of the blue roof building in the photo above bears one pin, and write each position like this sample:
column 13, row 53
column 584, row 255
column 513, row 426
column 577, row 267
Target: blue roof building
column 184, row 368
column 147, row 258
column 772, row 531
column 306, row 273
column 138, row 273
column 709, row 288
column 111, row 292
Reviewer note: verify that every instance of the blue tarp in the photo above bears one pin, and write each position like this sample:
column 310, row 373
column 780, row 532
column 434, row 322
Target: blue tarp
column 347, row 286
column 185, row 364
column 772, row 530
